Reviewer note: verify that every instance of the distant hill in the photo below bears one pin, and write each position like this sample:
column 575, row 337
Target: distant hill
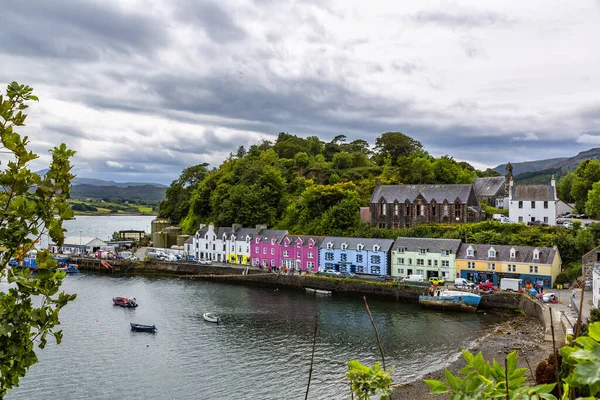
column 145, row 193
column 559, row 168
column 528, row 166
column 100, row 182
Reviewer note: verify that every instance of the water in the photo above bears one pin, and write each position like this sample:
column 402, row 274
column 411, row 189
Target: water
column 260, row 351
column 102, row 226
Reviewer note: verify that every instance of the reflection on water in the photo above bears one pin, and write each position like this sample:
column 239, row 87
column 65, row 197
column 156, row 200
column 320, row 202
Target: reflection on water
column 260, row 351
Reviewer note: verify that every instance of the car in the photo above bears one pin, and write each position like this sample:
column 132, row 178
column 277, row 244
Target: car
column 549, row 298
column 330, row 272
column 204, row 261
column 462, row 282
column 487, row 285
column 437, row 281
column 347, row 274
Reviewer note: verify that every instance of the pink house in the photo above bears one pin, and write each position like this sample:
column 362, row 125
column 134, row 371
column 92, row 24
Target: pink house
column 265, row 250
column 300, row 252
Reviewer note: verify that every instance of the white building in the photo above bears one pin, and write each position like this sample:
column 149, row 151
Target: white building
column 239, row 245
column 78, row 245
column 531, row 203
column 211, row 243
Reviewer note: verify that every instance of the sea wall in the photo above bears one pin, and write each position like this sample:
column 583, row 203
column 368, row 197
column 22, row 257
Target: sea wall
column 515, row 301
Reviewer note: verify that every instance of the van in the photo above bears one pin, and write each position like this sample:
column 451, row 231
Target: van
column 511, row 284
column 414, row 278
column 501, row 218
column 462, row 282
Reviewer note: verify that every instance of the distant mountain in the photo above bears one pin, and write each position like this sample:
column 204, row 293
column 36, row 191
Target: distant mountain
column 100, row 182
column 527, row 166
column 559, row 168
column 144, row 193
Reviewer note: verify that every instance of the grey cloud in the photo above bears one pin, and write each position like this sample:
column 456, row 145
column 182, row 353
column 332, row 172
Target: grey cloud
column 466, row 19
column 82, row 30
column 215, row 21
column 471, row 47
column 406, row 67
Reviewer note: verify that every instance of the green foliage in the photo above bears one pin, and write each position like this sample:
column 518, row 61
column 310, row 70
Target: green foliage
column 592, row 204
column 396, row 145
column 30, row 205
column 482, row 380
column 176, row 206
column 584, row 355
column 366, row 382
column 576, row 185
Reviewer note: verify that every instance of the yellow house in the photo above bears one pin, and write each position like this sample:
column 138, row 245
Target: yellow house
column 481, row 262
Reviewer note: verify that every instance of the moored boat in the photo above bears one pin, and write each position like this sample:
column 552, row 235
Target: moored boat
column 125, row 301
column 211, row 317
column 310, row 290
column 70, row 269
column 320, row 291
column 143, row 328
column 451, row 300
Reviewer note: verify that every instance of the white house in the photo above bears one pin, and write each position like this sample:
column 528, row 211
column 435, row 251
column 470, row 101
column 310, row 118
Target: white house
column 239, row 245
column 211, row 243
column 78, row 245
column 531, row 203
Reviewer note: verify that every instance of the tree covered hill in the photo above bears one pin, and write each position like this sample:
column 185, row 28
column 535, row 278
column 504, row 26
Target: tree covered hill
column 304, row 185
column 147, row 194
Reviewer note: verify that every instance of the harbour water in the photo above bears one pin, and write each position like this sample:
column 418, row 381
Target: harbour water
column 260, row 351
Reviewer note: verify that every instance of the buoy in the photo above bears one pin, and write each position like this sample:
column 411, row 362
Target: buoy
column 147, row 345
column 96, row 320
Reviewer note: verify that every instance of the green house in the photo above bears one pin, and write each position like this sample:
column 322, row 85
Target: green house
column 424, row 256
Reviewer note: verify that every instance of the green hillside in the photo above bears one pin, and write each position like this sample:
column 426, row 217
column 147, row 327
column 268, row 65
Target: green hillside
column 529, row 166
column 146, row 194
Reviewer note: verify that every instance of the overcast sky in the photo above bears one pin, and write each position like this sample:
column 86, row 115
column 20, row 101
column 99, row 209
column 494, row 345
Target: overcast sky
column 142, row 89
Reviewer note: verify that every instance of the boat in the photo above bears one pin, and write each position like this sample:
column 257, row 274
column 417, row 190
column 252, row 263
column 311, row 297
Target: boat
column 211, row 317
column 125, row 301
column 143, row 328
column 310, row 290
column 320, row 291
column 450, row 300
column 70, row 269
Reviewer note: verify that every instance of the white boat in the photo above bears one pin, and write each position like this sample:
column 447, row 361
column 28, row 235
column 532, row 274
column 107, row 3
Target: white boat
column 310, row 290
column 211, row 317
column 319, row 291
column 451, row 300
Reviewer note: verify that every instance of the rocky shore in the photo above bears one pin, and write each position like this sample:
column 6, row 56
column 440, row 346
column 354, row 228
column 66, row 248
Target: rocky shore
column 524, row 334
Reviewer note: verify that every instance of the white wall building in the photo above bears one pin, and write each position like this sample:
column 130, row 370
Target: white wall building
column 531, row 203
column 211, row 243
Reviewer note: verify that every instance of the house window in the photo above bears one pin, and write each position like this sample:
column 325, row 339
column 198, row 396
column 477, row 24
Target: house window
column 400, row 260
column 429, row 263
column 520, row 219
column 256, row 250
column 206, row 246
column 545, row 220
column 445, row 263
column 359, row 258
column 272, row 263
column 532, row 219
column 273, row 241
column 298, row 254
column 512, row 253
column 520, row 204
column 410, row 261
column 206, row 237
column 330, row 245
column 535, row 269
column 359, row 247
column 224, row 247
column 531, row 269
column 310, row 265
column 376, row 270
column 310, row 244
column 536, row 255
column 470, row 264
column 401, row 250
column 446, row 210
column 376, row 247
column 272, row 252
column 381, row 225
column 491, row 267
column 344, row 257
column 420, row 261
column 435, row 263
column 422, row 251
column 329, row 256
column 470, row 252
column 214, row 247
column 533, row 204
column 422, row 210
column 382, row 209
column 286, row 253
column 445, row 252
column 396, row 209
column 420, row 272
column 239, row 249
column 407, row 210
column 375, row 259
column 457, row 210
column 546, row 205
column 310, row 254
column 433, row 210
column 492, row 253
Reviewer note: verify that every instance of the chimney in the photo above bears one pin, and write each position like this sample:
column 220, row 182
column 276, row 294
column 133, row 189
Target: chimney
column 553, row 184
column 376, row 181
column 235, row 227
column 510, row 186
column 260, row 228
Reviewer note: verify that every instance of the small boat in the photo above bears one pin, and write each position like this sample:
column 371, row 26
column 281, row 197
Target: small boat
column 143, row 328
column 450, row 300
column 70, row 269
column 211, row 317
column 125, row 301
column 310, row 290
column 320, row 291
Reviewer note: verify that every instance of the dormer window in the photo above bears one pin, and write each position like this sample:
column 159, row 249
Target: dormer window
column 272, row 240
column 247, row 239
column 536, row 254
column 446, row 252
column 330, row 245
column 513, row 253
column 360, row 247
column 344, row 246
column 492, row 253
column 311, row 243
column 376, row 247
column 401, row 249
column 206, row 237
column 299, row 243
column 470, row 252
column 422, row 251
column 257, row 240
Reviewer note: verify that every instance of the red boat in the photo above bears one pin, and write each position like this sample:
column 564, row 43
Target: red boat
column 125, row 301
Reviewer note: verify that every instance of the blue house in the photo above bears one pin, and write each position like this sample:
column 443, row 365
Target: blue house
column 356, row 255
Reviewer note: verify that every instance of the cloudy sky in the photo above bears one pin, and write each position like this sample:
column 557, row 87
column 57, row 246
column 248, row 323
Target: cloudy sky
column 144, row 88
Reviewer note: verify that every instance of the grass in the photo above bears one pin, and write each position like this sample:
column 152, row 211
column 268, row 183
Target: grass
column 104, row 208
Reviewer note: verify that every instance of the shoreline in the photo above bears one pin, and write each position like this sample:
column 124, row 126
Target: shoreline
column 521, row 333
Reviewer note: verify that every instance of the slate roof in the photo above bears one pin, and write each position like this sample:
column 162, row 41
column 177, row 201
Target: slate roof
column 220, row 231
column 304, row 238
column 439, row 193
column 524, row 254
column 352, row 243
column 489, row 186
column 432, row 245
column 266, row 234
column 202, row 231
column 241, row 233
column 189, row 240
column 533, row 192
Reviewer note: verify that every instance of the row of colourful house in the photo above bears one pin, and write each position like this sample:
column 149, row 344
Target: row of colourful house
column 447, row 258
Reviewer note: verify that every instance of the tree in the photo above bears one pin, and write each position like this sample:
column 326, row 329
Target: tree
column 592, row 205
column 179, row 193
column 28, row 206
column 395, row 144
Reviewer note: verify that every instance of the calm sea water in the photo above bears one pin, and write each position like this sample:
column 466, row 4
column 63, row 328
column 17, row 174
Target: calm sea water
column 103, row 227
column 260, row 351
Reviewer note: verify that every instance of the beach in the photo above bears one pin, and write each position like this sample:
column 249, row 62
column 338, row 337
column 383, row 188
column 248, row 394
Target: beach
column 524, row 334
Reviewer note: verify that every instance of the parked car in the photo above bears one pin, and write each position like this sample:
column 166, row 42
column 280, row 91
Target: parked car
column 347, row 274
column 487, row 285
column 331, row 272
column 462, row 282
column 204, row 261
column 549, row 298
column 437, row 281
